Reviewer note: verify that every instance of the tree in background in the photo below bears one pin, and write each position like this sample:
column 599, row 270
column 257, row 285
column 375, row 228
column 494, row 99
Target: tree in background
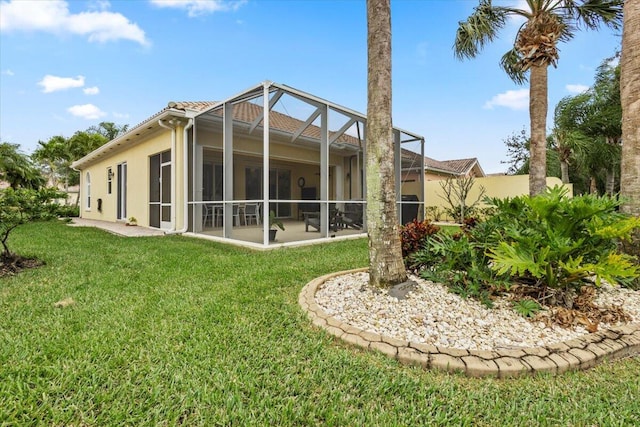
column 386, row 266
column 455, row 192
column 17, row 169
column 56, row 155
column 547, row 22
column 517, row 152
column 52, row 156
column 603, row 119
column 567, row 138
column 109, row 130
column 587, row 131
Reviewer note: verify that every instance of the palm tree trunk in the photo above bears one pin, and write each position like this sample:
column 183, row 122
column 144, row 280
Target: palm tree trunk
column 593, row 186
column 564, row 171
column 629, row 90
column 610, row 182
column 386, row 267
column 538, row 114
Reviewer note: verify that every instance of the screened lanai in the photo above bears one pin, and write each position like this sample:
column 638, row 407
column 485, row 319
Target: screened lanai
column 275, row 154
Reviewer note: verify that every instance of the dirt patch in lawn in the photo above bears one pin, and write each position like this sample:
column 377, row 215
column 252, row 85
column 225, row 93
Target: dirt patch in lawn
column 14, row 264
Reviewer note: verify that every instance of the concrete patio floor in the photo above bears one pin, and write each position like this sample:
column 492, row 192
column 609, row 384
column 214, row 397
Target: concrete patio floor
column 118, row 228
column 250, row 235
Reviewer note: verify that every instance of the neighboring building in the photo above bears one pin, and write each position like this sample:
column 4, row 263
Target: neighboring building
column 215, row 168
column 437, row 170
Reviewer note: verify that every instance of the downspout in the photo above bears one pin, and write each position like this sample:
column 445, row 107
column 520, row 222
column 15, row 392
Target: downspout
column 185, row 180
column 173, row 171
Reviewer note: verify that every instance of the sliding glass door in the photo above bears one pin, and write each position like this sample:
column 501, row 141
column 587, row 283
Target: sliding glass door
column 279, row 188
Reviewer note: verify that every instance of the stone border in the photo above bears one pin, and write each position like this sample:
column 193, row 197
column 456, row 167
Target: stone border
column 580, row 353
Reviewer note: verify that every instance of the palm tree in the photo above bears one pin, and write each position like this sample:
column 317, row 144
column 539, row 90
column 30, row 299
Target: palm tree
column 386, row 267
column 17, row 169
column 629, row 90
column 547, row 22
column 567, row 137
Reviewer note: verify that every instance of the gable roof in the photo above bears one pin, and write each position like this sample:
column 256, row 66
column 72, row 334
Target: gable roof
column 456, row 167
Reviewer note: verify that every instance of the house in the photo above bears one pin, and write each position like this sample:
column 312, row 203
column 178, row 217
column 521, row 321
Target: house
column 218, row 169
column 437, row 170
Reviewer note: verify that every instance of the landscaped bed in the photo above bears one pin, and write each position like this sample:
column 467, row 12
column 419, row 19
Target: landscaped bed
column 176, row 330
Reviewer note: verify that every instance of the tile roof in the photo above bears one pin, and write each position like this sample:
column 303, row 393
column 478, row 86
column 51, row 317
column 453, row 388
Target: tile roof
column 453, row 167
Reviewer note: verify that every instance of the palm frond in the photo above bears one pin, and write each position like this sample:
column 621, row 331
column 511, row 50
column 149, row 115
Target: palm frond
column 511, row 64
column 480, row 28
column 592, row 13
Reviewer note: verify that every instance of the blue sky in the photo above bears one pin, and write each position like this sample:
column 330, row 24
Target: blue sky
column 65, row 66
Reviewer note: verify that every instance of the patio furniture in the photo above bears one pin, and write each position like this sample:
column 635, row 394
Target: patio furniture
column 211, row 212
column 312, row 219
column 236, row 214
column 251, row 212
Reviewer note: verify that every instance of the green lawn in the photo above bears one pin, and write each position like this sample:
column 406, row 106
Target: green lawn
column 176, row 330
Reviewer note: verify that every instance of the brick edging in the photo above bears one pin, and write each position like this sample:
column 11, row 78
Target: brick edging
column 580, row 353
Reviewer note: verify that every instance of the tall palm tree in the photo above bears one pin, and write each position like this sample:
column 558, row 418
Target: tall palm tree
column 629, row 90
column 386, row 267
column 547, row 22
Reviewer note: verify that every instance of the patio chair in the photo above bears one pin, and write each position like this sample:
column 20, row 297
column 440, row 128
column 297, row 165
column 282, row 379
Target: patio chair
column 236, row 214
column 312, row 219
column 251, row 211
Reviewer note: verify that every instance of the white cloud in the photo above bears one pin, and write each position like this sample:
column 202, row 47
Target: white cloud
column 54, row 83
column 86, row 111
column 94, row 90
column 8, row 72
column 577, row 88
column 54, row 17
column 200, row 7
column 513, row 99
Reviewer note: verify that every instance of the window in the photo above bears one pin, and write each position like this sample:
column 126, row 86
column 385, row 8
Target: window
column 88, row 191
column 109, row 180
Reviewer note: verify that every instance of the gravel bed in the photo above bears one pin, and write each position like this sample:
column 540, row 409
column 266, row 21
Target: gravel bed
column 432, row 315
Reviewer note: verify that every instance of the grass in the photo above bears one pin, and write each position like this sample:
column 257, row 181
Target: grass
column 176, row 330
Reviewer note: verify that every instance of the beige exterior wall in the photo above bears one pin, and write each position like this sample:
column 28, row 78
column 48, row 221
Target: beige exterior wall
column 137, row 159
column 496, row 186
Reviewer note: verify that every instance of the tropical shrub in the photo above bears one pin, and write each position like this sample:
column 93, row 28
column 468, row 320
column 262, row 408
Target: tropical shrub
column 413, row 235
column 544, row 242
column 558, row 242
column 68, row 211
column 459, row 261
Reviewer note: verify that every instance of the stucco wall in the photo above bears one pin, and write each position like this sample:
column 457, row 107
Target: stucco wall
column 496, row 186
column 137, row 159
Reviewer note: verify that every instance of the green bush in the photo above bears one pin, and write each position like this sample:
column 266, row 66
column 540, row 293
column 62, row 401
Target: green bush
column 413, row 235
column 558, row 242
column 547, row 241
column 68, row 211
column 459, row 261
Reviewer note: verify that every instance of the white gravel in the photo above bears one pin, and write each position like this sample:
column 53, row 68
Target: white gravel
column 433, row 315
